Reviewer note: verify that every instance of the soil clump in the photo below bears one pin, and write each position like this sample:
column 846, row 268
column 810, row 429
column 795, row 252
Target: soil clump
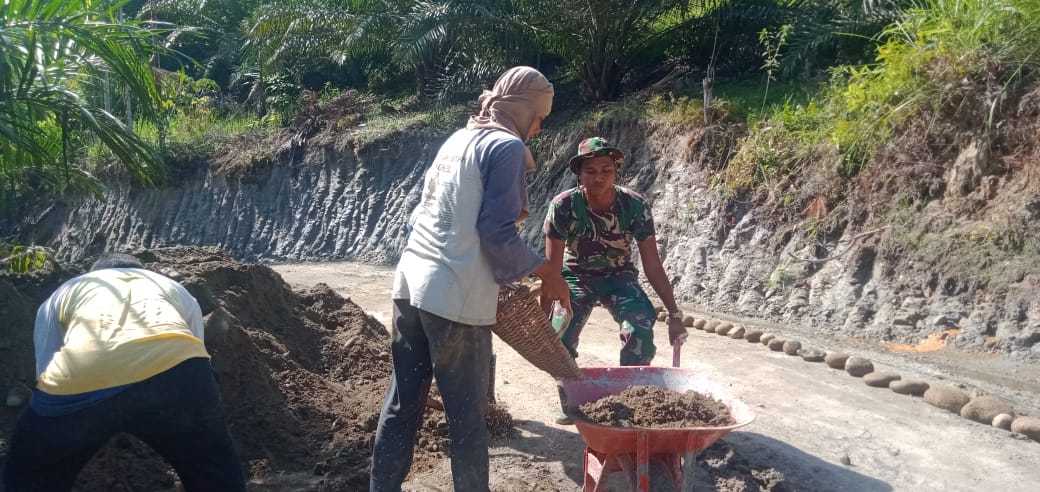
column 658, row 408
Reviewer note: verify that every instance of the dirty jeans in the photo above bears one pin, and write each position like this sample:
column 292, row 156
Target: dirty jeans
column 426, row 346
column 177, row 412
column 621, row 294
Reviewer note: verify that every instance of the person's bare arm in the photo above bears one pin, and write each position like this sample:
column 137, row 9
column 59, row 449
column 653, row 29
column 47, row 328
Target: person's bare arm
column 658, row 279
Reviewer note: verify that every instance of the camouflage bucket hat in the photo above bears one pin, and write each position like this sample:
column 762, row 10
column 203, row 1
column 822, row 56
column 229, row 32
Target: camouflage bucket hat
column 594, row 147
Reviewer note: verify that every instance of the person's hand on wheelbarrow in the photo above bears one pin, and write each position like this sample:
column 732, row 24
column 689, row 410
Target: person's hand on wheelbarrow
column 676, row 331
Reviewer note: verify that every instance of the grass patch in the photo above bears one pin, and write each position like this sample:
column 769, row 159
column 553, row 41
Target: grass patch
column 954, row 59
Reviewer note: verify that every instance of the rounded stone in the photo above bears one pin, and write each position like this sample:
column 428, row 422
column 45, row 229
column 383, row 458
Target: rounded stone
column 688, row 321
column 908, row 387
column 1003, row 421
column 699, row 324
column 662, row 316
column 811, row 355
column 711, row 325
column 723, row 329
column 737, row 333
column 766, row 338
column 1029, row 426
column 881, row 379
column 753, row 336
column 659, row 307
column 947, row 398
column 858, row 366
column 985, row 408
column 836, row 360
column 776, row 344
column 791, row 347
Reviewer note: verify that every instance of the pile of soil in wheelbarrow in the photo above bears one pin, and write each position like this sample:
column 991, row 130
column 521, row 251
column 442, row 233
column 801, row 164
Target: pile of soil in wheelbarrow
column 658, row 408
column 302, row 376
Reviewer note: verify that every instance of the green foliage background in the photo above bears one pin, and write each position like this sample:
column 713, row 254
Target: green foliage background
column 87, row 86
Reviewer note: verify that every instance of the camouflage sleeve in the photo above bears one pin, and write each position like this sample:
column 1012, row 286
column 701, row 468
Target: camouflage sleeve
column 557, row 221
column 643, row 221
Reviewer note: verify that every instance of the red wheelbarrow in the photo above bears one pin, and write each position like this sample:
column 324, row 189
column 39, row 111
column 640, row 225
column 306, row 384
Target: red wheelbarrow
column 630, row 449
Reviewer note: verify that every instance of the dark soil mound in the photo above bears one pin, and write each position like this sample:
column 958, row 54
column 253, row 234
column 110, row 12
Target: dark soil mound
column 653, row 407
column 302, row 375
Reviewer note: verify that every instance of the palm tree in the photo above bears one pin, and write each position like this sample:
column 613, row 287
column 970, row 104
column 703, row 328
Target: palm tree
column 604, row 38
column 451, row 46
column 49, row 50
column 210, row 33
column 842, row 31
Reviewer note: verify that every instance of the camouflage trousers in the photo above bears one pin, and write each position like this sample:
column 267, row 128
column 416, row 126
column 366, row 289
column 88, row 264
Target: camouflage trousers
column 621, row 294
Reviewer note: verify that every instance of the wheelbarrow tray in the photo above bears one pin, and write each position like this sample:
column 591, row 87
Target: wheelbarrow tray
column 599, row 382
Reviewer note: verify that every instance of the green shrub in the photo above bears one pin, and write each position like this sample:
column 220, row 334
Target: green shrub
column 934, row 58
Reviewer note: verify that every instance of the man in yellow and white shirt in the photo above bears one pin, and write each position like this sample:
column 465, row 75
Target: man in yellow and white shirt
column 120, row 349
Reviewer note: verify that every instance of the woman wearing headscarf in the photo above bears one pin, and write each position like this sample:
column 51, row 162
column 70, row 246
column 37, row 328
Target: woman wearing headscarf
column 463, row 244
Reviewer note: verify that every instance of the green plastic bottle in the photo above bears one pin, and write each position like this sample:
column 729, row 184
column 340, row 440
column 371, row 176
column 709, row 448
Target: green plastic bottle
column 561, row 317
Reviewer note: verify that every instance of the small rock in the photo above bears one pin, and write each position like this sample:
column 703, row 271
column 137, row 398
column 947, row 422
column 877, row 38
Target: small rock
column 737, row 333
column 947, row 398
column 1003, row 421
column 791, row 347
column 662, row 316
column 811, row 355
column 880, row 379
column 908, row 387
column 985, row 408
column 711, row 325
column 766, row 338
column 723, row 329
column 688, row 321
column 753, row 336
column 845, row 460
column 858, row 366
column 776, row 344
column 659, row 307
column 1028, row 426
column 699, row 324
column 836, row 360
column 175, row 275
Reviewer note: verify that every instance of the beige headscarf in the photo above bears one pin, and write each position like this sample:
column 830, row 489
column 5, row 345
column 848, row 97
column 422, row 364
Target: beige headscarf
column 519, row 96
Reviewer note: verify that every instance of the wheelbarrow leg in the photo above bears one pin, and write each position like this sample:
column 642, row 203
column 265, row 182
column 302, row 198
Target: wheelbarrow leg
column 597, row 469
column 643, row 460
column 689, row 471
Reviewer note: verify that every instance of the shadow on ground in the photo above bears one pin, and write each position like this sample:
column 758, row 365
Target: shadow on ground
column 566, row 447
column 745, row 460
column 802, row 471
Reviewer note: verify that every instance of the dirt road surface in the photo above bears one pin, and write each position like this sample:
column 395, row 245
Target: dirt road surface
column 810, row 418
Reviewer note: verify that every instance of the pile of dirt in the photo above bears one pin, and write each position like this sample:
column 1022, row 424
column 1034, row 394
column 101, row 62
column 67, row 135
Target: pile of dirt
column 654, row 407
column 302, row 376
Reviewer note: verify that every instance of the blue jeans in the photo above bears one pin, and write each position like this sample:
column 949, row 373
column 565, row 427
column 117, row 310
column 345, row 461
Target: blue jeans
column 177, row 412
column 426, row 346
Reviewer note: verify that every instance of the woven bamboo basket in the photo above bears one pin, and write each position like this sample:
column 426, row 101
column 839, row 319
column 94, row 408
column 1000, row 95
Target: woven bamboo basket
column 524, row 326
